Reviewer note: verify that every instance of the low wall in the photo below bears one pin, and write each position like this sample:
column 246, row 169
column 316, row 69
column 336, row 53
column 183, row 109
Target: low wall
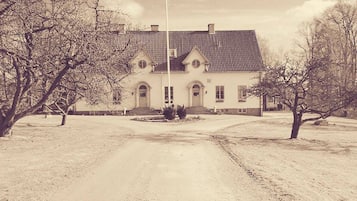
column 240, row 111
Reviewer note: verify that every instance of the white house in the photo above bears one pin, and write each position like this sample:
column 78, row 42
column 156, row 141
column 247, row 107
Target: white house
column 210, row 70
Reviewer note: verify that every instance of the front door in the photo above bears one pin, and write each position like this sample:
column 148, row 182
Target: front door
column 143, row 102
column 196, row 95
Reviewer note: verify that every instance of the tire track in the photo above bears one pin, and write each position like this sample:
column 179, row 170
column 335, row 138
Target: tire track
column 276, row 191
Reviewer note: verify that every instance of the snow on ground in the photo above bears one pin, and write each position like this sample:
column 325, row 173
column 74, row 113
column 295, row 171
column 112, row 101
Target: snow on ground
column 320, row 165
column 41, row 159
column 40, row 156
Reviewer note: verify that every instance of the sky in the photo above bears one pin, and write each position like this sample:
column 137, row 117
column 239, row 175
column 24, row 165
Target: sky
column 275, row 20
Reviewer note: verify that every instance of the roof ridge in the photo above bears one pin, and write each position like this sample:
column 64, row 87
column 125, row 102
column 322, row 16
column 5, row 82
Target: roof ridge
column 186, row 31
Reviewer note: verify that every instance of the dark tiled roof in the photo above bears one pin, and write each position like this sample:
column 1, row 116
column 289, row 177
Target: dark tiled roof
column 226, row 50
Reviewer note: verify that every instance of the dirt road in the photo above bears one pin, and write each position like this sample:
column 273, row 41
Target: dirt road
column 168, row 166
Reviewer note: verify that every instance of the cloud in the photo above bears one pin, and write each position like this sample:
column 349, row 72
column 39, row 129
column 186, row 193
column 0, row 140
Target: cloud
column 134, row 9
column 130, row 7
column 309, row 9
column 286, row 26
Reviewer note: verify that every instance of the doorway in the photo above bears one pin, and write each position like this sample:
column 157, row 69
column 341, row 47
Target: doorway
column 196, row 95
column 143, row 96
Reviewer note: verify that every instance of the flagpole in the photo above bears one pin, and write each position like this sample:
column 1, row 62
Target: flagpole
column 168, row 54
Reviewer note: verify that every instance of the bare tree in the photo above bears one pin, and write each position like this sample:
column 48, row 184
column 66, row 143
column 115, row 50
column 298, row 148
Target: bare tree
column 322, row 79
column 102, row 80
column 269, row 57
column 43, row 42
column 334, row 35
column 305, row 87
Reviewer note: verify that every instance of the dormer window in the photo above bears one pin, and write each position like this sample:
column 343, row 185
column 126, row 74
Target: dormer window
column 196, row 63
column 195, row 59
column 142, row 64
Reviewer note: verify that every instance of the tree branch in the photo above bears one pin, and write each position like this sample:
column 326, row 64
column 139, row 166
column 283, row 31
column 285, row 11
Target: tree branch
column 7, row 7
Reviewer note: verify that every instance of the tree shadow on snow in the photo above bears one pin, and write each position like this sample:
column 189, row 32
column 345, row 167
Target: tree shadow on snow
column 300, row 144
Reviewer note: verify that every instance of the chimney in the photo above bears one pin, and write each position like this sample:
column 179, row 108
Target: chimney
column 121, row 28
column 211, row 29
column 155, row 28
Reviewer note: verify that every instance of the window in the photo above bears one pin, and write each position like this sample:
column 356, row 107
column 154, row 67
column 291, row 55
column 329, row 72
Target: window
column 171, row 96
column 116, row 97
column 219, row 93
column 242, row 93
column 242, row 110
column 142, row 64
column 196, row 63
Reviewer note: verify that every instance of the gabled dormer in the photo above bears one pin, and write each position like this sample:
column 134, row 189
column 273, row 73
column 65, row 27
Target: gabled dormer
column 196, row 61
column 142, row 62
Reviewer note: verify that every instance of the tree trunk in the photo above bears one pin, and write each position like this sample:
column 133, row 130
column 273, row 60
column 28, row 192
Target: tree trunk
column 64, row 116
column 5, row 127
column 4, row 130
column 64, row 119
column 296, row 125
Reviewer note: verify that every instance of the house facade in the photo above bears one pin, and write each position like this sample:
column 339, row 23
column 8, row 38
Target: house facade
column 208, row 69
